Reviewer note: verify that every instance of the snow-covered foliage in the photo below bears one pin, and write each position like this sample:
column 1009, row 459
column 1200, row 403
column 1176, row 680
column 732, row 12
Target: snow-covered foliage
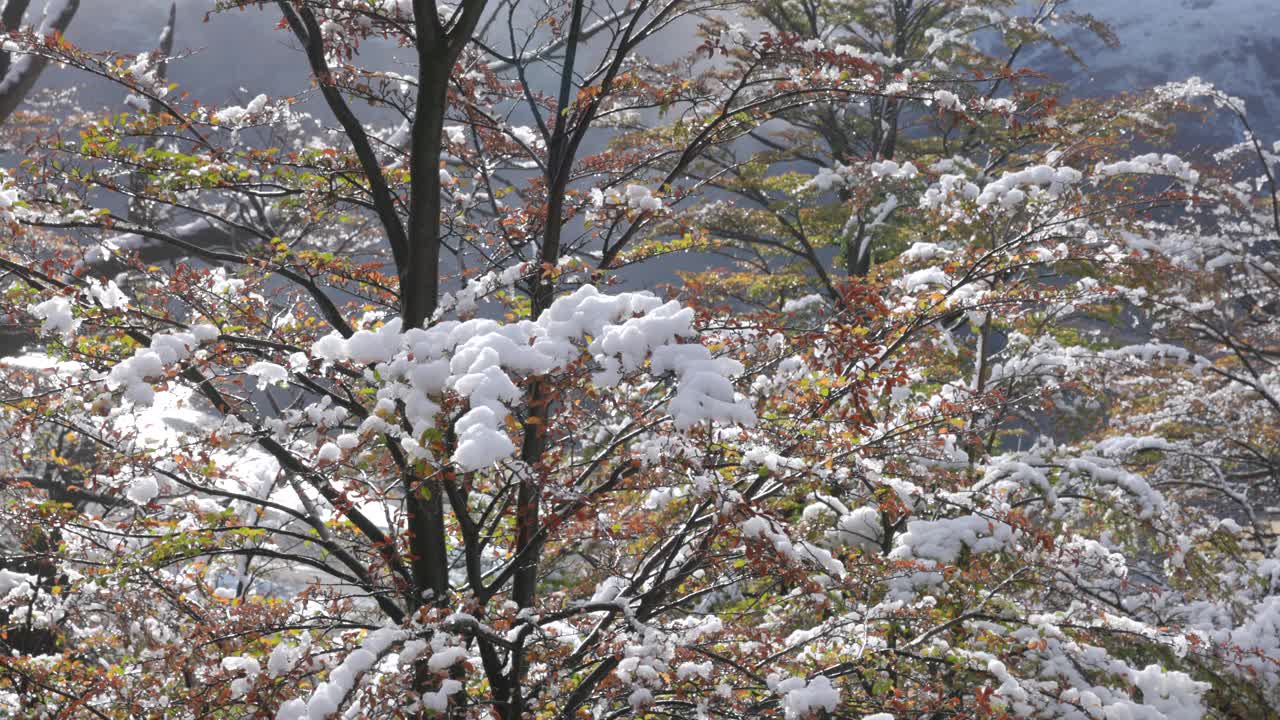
column 389, row 430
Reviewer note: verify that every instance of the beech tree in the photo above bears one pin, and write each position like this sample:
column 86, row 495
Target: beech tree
column 346, row 406
column 969, row 55
column 20, row 71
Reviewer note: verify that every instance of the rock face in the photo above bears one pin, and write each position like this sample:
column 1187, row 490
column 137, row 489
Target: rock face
column 1231, row 43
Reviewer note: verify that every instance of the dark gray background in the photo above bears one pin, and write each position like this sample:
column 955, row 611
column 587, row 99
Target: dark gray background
column 1235, row 43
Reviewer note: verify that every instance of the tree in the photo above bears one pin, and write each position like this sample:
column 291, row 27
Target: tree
column 19, row 72
column 18, row 75
column 403, row 451
column 780, row 219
